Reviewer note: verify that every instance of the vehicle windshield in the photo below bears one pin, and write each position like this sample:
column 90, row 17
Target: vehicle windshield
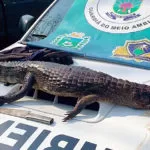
column 49, row 22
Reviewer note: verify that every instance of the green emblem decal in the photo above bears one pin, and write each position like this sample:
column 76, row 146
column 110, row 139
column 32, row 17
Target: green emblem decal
column 126, row 6
column 118, row 16
column 74, row 40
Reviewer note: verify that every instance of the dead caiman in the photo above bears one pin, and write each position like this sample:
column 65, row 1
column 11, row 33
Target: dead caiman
column 72, row 81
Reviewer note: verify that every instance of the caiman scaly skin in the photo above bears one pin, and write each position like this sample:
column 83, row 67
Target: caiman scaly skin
column 72, row 81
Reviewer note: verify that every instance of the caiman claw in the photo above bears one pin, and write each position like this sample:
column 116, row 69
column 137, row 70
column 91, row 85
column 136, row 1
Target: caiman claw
column 70, row 115
column 81, row 104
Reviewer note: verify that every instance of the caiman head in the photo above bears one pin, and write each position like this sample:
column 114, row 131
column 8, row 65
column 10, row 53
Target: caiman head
column 11, row 75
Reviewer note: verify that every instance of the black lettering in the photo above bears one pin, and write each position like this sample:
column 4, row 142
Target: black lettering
column 71, row 143
column 113, row 27
column 102, row 25
column 126, row 28
column 4, row 126
column 21, row 139
column 39, row 140
column 89, row 146
column 145, row 23
column 134, row 26
column 119, row 27
column 5, row 147
column 105, row 25
column 139, row 25
column 93, row 16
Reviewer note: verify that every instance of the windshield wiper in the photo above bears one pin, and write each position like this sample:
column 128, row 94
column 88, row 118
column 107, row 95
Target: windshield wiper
column 39, row 35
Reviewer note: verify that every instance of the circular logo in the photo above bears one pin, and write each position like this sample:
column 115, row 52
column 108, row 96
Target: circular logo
column 118, row 16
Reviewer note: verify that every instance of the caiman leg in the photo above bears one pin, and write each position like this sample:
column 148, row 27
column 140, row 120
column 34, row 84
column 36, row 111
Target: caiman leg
column 27, row 85
column 81, row 104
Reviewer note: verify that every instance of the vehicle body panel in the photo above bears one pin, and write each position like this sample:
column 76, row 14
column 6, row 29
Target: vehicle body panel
column 111, row 127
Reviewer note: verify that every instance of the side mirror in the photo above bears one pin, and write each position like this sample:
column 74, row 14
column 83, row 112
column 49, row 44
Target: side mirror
column 25, row 23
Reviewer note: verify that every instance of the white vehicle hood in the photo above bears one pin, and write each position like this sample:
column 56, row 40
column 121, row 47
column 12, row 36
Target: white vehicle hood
column 113, row 127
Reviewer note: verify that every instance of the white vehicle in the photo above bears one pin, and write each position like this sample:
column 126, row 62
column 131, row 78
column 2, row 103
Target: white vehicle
column 108, row 127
